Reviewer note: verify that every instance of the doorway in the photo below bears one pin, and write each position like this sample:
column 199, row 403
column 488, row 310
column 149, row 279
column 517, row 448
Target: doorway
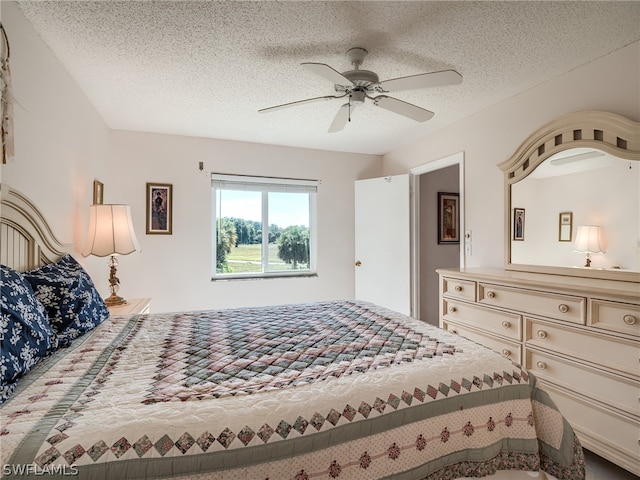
column 443, row 175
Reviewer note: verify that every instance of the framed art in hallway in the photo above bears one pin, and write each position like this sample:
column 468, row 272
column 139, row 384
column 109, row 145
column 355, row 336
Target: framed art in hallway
column 448, row 218
column 159, row 208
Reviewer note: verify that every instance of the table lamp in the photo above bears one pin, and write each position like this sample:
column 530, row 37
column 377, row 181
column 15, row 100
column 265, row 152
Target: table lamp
column 588, row 241
column 111, row 233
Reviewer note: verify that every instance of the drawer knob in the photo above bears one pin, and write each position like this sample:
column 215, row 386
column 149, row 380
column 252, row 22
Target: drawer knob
column 452, row 309
column 506, row 352
column 458, row 288
column 506, row 324
column 491, row 294
column 629, row 319
column 542, row 334
column 563, row 307
column 541, row 365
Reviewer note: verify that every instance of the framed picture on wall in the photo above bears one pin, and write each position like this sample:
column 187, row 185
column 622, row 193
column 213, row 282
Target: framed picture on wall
column 159, row 208
column 518, row 223
column 98, row 192
column 565, row 226
column 448, row 218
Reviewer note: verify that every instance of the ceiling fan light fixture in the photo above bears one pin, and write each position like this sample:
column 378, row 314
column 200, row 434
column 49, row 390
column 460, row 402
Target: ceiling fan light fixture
column 357, row 97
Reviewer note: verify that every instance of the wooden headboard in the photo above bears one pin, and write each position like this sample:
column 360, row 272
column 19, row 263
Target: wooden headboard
column 26, row 239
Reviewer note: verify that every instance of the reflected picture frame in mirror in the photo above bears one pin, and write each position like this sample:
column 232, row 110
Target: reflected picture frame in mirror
column 576, row 135
column 565, row 226
column 518, row 224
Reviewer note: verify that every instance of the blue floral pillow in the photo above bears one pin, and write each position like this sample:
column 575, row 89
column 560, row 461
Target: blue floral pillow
column 25, row 333
column 70, row 299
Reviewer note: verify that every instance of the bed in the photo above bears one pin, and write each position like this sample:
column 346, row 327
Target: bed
column 336, row 389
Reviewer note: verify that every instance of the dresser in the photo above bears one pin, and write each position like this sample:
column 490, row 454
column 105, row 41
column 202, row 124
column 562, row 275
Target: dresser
column 580, row 337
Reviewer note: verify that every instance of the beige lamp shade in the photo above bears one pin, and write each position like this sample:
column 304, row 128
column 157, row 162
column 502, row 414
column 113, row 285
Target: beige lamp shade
column 110, row 231
column 588, row 239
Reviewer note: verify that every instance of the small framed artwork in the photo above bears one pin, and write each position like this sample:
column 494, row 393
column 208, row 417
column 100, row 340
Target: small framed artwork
column 565, row 226
column 159, row 208
column 518, row 223
column 448, row 218
column 98, row 192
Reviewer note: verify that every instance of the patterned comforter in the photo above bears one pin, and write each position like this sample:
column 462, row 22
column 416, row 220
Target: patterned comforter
column 341, row 389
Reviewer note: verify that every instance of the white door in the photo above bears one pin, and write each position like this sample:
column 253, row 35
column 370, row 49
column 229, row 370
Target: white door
column 382, row 242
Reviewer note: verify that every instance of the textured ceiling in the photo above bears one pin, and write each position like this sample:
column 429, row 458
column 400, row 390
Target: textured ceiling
column 205, row 68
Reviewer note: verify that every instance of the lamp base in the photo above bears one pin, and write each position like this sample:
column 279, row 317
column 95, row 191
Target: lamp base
column 114, row 284
column 114, row 299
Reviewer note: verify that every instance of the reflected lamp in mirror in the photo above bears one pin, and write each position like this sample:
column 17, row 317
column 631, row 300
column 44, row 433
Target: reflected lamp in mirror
column 588, row 241
column 111, row 233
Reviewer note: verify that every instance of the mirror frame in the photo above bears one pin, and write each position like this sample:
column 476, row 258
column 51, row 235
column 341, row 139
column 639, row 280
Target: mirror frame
column 609, row 132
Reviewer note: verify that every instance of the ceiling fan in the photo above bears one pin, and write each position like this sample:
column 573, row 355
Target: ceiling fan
column 357, row 85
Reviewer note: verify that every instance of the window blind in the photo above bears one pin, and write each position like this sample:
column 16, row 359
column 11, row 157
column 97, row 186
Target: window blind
column 263, row 184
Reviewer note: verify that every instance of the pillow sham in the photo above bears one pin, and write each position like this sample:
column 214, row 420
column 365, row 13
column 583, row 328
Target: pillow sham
column 70, row 298
column 25, row 333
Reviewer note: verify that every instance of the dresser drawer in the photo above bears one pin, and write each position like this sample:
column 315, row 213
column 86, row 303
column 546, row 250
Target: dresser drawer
column 560, row 307
column 456, row 288
column 617, row 317
column 496, row 321
column 598, row 349
column 605, row 433
column 617, row 392
column 511, row 350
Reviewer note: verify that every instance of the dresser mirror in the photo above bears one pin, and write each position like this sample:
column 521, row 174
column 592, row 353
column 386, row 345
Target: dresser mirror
column 572, row 197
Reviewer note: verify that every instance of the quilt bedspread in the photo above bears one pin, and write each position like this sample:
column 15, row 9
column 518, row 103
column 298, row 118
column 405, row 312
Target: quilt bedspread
column 340, row 389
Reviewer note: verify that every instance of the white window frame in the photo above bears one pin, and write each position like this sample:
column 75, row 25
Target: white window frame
column 265, row 185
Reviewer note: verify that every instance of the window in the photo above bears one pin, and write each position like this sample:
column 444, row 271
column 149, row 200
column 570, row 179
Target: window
column 243, row 246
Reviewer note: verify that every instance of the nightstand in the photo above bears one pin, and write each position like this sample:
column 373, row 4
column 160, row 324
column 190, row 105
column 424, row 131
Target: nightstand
column 133, row 306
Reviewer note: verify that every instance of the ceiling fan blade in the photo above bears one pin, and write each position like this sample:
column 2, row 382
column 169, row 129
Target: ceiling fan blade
column 299, row 102
column 403, row 108
column 423, row 80
column 327, row 72
column 341, row 118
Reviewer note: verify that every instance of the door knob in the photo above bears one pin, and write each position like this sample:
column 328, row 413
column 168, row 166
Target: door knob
column 358, row 263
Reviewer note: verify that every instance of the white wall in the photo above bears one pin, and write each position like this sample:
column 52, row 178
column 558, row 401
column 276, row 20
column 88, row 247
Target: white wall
column 176, row 269
column 62, row 145
column 491, row 136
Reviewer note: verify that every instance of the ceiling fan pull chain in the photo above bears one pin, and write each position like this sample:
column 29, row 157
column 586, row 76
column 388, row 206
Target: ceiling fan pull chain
column 349, row 107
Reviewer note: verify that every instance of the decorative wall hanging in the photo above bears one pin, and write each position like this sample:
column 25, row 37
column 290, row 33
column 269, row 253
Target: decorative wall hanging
column 159, row 208
column 98, row 192
column 565, row 226
column 448, row 218
column 518, row 223
column 6, row 103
